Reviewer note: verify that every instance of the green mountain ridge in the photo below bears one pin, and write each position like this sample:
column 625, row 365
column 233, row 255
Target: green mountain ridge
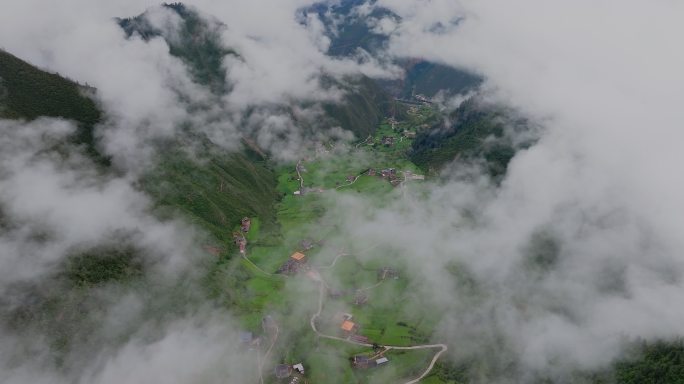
column 349, row 33
column 197, row 43
column 360, row 111
column 213, row 193
column 474, row 131
column 27, row 92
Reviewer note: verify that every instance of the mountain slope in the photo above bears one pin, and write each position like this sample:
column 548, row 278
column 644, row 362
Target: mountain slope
column 363, row 108
column 199, row 45
column 428, row 79
column 27, row 92
column 215, row 191
column 197, row 42
column 474, row 131
column 348, row 33
column 178, row 183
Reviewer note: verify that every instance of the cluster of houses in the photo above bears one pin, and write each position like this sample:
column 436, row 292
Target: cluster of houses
column 239, row 237
column 388, row 141
column 297, row 262
column 391, row 174
column 350, row 329
column 387, row 173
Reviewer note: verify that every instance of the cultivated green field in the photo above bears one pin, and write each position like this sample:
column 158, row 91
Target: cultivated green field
column 387, row 313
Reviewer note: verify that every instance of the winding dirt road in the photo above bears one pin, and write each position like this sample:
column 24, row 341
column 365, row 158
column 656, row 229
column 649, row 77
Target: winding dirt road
column 299, row 174
column 321, row 294
column 268, row 352
column 348, row 184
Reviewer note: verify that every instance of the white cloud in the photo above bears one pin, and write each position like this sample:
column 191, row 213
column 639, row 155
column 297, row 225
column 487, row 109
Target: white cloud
column 604, row 80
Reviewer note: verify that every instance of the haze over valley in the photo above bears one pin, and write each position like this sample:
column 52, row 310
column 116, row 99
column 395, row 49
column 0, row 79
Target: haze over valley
column 344, row 191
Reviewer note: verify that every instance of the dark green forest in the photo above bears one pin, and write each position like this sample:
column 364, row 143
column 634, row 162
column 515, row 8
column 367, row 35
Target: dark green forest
column 463, row 137
column 363, row 108
column 659, row 362
column 27, row 92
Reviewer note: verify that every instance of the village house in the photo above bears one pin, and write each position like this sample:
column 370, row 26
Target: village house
column 341, row 317
column 362, row 362
column 388, row 141
column 293, row 265
column 409, row 134
column 283, row 371
column 299, row 368
column 240, row 241
column 348, row 327
column 381, row 361
column 371, row 172
column 306, row 244
column 351, row 178
column 360, row 298
column 245, row 224
column 299, row 257
column 389, row 173
column 423, row 98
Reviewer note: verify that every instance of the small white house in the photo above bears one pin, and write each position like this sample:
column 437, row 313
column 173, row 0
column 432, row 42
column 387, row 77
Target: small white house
column 299, row 368
column 381, row 361
column 297, row 193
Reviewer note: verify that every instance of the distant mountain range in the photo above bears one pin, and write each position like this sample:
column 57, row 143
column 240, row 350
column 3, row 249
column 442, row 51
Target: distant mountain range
column 350, row 33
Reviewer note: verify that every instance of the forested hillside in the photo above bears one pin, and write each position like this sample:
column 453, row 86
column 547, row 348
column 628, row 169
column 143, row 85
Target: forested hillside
column 464, row 136
column 428, row 79
column 27, row 92
column 655, row 363
column 198, row 44
column 214, row 191
column 364, row 107
column 349, row 33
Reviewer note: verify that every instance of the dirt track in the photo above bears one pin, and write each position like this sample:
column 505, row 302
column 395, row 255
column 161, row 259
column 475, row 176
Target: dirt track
column 312, row 322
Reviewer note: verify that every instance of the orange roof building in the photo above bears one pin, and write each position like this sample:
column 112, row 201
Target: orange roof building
column 348, row 326
column 298, row 256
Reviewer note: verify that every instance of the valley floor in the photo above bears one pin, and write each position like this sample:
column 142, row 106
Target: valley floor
column 347, row 310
